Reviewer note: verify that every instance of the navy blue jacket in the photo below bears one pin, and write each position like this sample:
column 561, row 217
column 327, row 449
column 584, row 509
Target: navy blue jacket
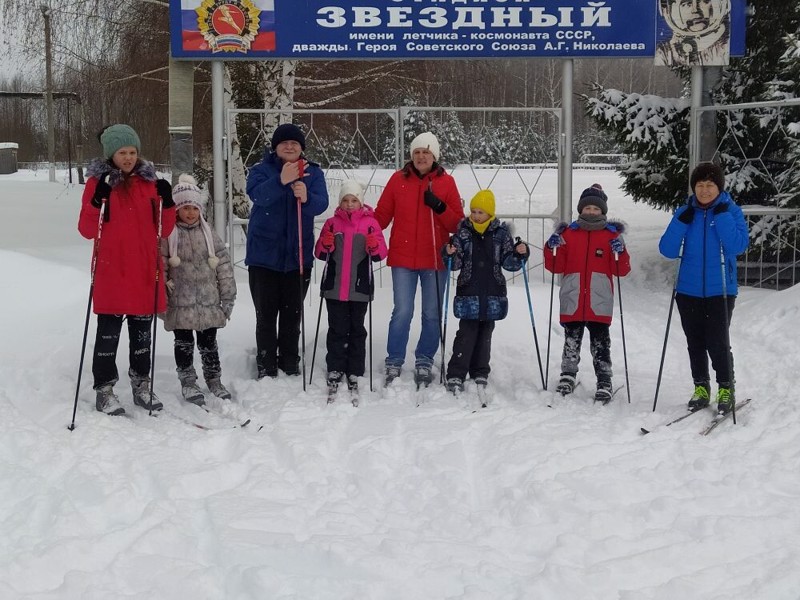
column 481, row 286
column 272, row 233
column 703, row 239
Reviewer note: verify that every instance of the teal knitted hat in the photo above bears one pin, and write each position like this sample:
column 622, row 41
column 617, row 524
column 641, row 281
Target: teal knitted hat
column 118, row 136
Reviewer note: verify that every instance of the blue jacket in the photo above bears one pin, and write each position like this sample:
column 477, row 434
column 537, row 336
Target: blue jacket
column 272, row 233
column 703, row 239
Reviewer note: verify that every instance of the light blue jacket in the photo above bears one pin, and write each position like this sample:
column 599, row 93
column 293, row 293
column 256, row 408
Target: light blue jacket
column 706, row 240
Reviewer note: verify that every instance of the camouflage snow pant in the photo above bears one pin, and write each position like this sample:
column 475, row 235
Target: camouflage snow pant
column 600, row 347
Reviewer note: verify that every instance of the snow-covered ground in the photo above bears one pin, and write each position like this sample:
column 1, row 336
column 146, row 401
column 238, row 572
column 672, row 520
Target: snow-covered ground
column 390, row 500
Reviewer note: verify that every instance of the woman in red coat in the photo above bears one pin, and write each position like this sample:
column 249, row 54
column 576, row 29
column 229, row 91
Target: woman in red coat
column 125, row 209
column 589, row 252
column 423, row 205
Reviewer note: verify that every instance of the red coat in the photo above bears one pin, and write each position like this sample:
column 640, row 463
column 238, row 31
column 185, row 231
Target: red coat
column 128, row 253
column 589, row 268
column 411, row 243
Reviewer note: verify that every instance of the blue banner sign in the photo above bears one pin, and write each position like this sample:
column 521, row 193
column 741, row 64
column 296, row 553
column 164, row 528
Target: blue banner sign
column 417, row 29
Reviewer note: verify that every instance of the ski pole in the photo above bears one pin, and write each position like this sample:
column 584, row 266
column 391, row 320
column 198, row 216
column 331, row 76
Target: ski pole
column 444, row 311
column 319, row 315
column 92, row 269
column 622, row 324
column 302, row 278
column 727, row 333
column 438, row 286
column 369, row 306
column 155, row 306
column 550, row 320
column 530, row 311
column 666, row 333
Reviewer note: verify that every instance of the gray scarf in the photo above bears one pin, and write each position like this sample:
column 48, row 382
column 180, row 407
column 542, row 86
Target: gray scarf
column 592, row 222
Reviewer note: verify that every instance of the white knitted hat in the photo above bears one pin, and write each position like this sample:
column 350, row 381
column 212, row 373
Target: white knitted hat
column 186, row 193
column 352, row 187
column 426, row 140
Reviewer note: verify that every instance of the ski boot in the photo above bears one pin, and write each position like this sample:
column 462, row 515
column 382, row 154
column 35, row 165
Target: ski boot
column 604, row 392
column 455, row 385
column 352, row 386
column 724, row 400
column 107, row 402
column 189, row 390
column 700, row 398
column 334, row 377
column 215, row 387
column 566, row 384
column 392, row 373
column 423, row 377
column 140, row 386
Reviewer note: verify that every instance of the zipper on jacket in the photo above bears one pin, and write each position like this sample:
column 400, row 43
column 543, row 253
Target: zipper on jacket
column 587, row 297
column 705, row 236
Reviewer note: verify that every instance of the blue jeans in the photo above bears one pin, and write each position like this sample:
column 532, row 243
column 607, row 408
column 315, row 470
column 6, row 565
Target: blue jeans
column 404, row 285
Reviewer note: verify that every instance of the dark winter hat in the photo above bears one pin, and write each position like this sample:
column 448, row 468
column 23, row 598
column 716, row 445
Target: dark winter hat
column 118, row 136
column 593, row 196
column 288, row 131
column 708, row 171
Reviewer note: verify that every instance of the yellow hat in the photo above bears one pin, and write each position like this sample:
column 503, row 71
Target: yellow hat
column 484, row 200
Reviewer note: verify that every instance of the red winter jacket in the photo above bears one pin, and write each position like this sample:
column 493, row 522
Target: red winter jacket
column 411, row 243
column 128, row 252
column 589, row 266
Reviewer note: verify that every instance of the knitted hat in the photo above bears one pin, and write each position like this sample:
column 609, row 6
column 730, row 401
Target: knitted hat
column 483, row 200
column 708, row 171
column 593, row 196
column 288, row 131
column 118, row 136
column 186, row 193
column 427, row 141
column 352, row 187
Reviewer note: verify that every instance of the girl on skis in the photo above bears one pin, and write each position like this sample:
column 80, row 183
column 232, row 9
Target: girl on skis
column 201, row 290
column 589, row 252
column 349, row 241
column 137, row 208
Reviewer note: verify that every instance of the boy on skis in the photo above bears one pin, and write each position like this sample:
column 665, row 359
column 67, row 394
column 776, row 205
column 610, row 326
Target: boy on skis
column 589, row 252
column 201, row 292
column 350, row 240
column 481, row 246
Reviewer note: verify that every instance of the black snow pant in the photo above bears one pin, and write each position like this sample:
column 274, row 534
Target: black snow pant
column 206, row 344
column 106, row 343
column 278, row 301
column 600, row 347
column 347, row 337
column 472, row 349
column 706, row 327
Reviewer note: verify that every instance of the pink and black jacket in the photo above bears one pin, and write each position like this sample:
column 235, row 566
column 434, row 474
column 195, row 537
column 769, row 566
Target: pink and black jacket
column 347, row 275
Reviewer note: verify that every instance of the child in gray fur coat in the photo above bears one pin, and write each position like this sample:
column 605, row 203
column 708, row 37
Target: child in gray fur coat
column 201, row 292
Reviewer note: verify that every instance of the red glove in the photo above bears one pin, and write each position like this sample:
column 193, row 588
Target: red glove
column 372, row 242
column 327, row 238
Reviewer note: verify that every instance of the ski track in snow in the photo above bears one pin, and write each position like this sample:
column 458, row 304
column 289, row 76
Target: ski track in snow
column 391, row 500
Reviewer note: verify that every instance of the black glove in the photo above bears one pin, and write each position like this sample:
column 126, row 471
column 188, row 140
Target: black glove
column 687, row 216
column 164, row 190
column 101, row 192
column 721, row 208
column 435, row 204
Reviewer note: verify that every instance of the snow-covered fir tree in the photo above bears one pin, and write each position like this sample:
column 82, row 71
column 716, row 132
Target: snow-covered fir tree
column 758, row 149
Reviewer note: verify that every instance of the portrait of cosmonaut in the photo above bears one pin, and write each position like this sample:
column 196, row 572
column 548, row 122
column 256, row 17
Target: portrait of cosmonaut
column 701, row 32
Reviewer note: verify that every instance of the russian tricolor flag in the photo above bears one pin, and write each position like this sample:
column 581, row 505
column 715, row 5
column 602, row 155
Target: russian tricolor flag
column 194, row 41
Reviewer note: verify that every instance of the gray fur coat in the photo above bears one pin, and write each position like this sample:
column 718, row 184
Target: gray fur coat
column 200, row 297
